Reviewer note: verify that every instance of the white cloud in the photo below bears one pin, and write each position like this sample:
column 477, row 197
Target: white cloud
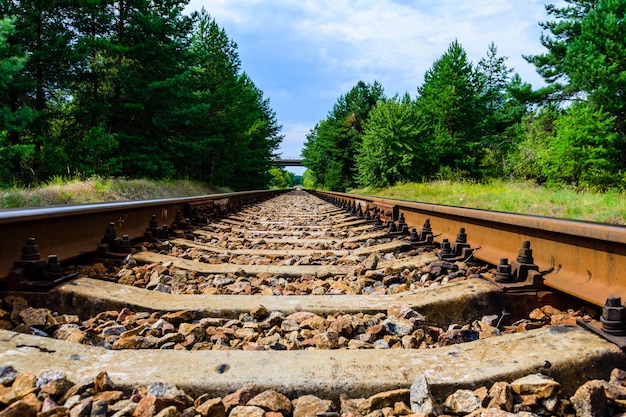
column 309, row 52
column 295, row 135
column 380, row 37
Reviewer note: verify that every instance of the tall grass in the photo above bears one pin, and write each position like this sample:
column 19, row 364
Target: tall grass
column 514, row 197
column 60, row 190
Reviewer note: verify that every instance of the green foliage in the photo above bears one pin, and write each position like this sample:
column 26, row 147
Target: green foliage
column 535, row 133
column 391, row 148
column 17, row 159
column 582, row 152
column 281, row 178
column 332, row 145
column 586, row 62
column 449, row 102
column 308, row 180
column 484, row 121
column 128, row 87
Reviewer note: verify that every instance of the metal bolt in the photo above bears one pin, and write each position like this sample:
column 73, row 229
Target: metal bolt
column 525, row 255
column 445, row 247
column 503, row 271
column 125, row 244
column 53, row 267
column 461, row 237
column 30, row 251
column 614, row 316
column 109, row 234
column 402, row 223
column 378, row 222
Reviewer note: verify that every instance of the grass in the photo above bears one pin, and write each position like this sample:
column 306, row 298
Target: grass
column 513, row 197
column 60, row 191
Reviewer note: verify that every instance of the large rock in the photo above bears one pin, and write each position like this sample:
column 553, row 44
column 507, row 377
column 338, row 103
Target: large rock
column 83, row 408
column 135, row 342
column 501, row 396
column 314, row 323
column 102, row 382
column 271, row 400
column 38, row 317
column 403, row 312
column 7, row 395
column 371, row 262
column 618, row 377
column 247, row 411
column 178, row 317
column 150, row 405
column 24, row 384
column 213, row 407
column 462, row 401
column 54, row 383
column 542, row 386
column 589, row 400
column 398, row 327
column 238, row 398
column 456, row 336
column 309, row 406
column 342, row 325
column 300, row 316
column 384, row 399
column 326, row 340
column 170, row 411
column 259, row 312
column 7, row 375
column 348, row 407
column 19, row 409
column 422, row 401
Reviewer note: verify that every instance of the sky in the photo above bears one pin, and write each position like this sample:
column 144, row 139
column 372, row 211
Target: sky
column 304, row 54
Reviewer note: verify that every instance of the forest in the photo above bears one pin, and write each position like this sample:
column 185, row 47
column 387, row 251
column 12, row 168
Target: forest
column 481, row 120
column 127, row 88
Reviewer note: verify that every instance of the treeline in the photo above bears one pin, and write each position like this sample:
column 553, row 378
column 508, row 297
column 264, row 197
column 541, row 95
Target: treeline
column 130, row 88
column 483, row 121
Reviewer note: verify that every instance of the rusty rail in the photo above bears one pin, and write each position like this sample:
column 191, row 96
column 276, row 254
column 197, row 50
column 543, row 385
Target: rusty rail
column 586, row 260
column 70, row 231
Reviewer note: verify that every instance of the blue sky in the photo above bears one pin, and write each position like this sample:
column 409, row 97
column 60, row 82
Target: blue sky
column 304, row 54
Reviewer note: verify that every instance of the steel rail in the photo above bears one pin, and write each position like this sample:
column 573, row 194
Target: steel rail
column 583, row 259
column 70, row 231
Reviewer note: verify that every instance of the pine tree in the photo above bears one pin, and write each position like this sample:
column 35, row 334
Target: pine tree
column 14, row 117
column 449, row 102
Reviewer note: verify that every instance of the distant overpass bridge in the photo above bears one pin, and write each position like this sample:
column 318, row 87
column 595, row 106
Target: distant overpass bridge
column 287, row 161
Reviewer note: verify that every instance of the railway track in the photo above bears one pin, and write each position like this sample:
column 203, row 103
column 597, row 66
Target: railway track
column 364, row 303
